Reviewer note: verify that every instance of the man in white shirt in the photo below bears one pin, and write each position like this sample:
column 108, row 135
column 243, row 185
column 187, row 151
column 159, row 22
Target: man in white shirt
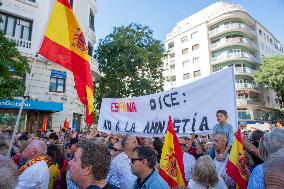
column 188, row 160
column 120, row 173
column 221, row 159
column 35, row 173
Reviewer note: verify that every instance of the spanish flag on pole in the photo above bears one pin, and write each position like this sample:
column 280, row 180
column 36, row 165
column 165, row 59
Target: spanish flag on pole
column 236, row 164
column 64, row 43
column 171, row 163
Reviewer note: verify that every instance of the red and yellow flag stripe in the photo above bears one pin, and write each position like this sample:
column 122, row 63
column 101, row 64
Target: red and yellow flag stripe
column 171, row 163
column 64, row 44
column 236, row 164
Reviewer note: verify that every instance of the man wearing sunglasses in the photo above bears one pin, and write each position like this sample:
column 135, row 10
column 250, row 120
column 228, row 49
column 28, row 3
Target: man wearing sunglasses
column 115, row 150
column 188, row 159
column 120, row 170
column 143, row 161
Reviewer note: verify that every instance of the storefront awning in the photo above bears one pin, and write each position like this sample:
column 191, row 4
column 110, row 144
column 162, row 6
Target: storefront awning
column 31, row 105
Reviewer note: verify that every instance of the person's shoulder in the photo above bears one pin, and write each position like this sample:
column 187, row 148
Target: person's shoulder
column 189, row 156
column 110, row 186
column 228, row 125
column 158, row 181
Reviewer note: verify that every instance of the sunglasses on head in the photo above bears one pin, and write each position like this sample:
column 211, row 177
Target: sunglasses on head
column 182, row 145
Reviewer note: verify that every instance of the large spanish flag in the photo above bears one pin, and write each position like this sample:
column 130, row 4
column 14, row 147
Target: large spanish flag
column 171, row 163
column 236, row 163
column 64, row 43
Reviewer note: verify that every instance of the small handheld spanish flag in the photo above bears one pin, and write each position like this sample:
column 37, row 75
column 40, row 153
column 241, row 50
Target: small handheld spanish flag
column 66, row 124
column 236, row 164
column 171, row 163
column 43, row 127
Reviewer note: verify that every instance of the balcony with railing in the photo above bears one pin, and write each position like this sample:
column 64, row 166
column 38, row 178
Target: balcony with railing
column 252, row 86
column 244, row 70
column 232, row 27
column 228, row 56
column 233, row 41
column 238, row 70
column 95, row 68
column 24, row 46
column 243, row 102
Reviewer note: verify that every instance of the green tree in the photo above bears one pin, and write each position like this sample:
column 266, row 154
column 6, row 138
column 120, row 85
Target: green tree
column 131, row 62
column 13, row 67
column 271, row 74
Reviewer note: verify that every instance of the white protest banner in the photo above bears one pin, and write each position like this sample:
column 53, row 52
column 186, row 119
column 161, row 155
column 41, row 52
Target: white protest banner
column 192, row 108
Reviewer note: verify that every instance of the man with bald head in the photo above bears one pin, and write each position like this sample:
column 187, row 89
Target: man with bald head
column 35, row 173
column 221, row 158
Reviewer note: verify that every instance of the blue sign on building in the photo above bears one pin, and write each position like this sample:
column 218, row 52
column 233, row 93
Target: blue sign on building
column 59, row 74
column 31, row 105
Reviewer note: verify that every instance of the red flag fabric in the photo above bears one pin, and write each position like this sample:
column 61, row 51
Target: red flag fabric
column 171, row 163
column 43, row 127
column 66, row 124
column 64, row 43
column 236, row 164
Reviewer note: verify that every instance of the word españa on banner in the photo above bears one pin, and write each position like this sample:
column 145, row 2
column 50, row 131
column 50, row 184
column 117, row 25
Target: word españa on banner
column 123, row 107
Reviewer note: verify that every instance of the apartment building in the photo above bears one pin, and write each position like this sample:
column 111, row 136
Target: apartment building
column 51, row 92
column 219, row 36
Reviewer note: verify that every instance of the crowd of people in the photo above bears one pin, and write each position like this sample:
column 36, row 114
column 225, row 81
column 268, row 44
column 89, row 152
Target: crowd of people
column 91, row 160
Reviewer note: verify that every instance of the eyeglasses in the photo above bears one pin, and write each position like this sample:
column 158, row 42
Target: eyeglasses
column 115, row 149
column 182, row 145
column 136, row 159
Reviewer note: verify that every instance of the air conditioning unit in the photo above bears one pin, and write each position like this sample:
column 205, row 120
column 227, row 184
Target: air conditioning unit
column 64, row 99
column 34, row 98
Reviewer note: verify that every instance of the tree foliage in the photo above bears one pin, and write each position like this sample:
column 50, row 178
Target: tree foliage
column 13, row 67
column 271, row 74
column 131, row 62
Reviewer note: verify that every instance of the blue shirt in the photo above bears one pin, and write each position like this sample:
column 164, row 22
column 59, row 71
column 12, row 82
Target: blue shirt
column 70, row 183
column 256, row 179
column 154, row 181
column 227, row 129
column 120, row 173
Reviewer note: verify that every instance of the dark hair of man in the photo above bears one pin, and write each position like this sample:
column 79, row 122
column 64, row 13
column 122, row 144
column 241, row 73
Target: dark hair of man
column 147, row 153
column 257, row 135
column 224, row 112
column 55, row 154
column 124, row 140
column 98, row 156
column 53, row 136
column 23, row 137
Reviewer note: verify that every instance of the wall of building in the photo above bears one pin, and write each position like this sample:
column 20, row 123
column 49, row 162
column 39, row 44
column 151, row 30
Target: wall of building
column 39, row 88
column 228, row 36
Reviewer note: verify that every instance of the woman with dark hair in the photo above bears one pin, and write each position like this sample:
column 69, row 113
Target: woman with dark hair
column 56, row 161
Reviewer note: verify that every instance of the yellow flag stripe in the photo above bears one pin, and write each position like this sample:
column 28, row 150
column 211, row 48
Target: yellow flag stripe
column 62, row 28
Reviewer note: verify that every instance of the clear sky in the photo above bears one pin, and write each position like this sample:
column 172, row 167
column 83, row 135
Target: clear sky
column 162, row 15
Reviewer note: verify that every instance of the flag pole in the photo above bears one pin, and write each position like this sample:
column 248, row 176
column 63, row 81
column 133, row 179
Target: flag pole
column 21, row 107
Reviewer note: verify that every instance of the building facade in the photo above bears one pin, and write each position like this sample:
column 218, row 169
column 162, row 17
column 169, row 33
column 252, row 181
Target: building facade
column 219, row 36
column 24, row 22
